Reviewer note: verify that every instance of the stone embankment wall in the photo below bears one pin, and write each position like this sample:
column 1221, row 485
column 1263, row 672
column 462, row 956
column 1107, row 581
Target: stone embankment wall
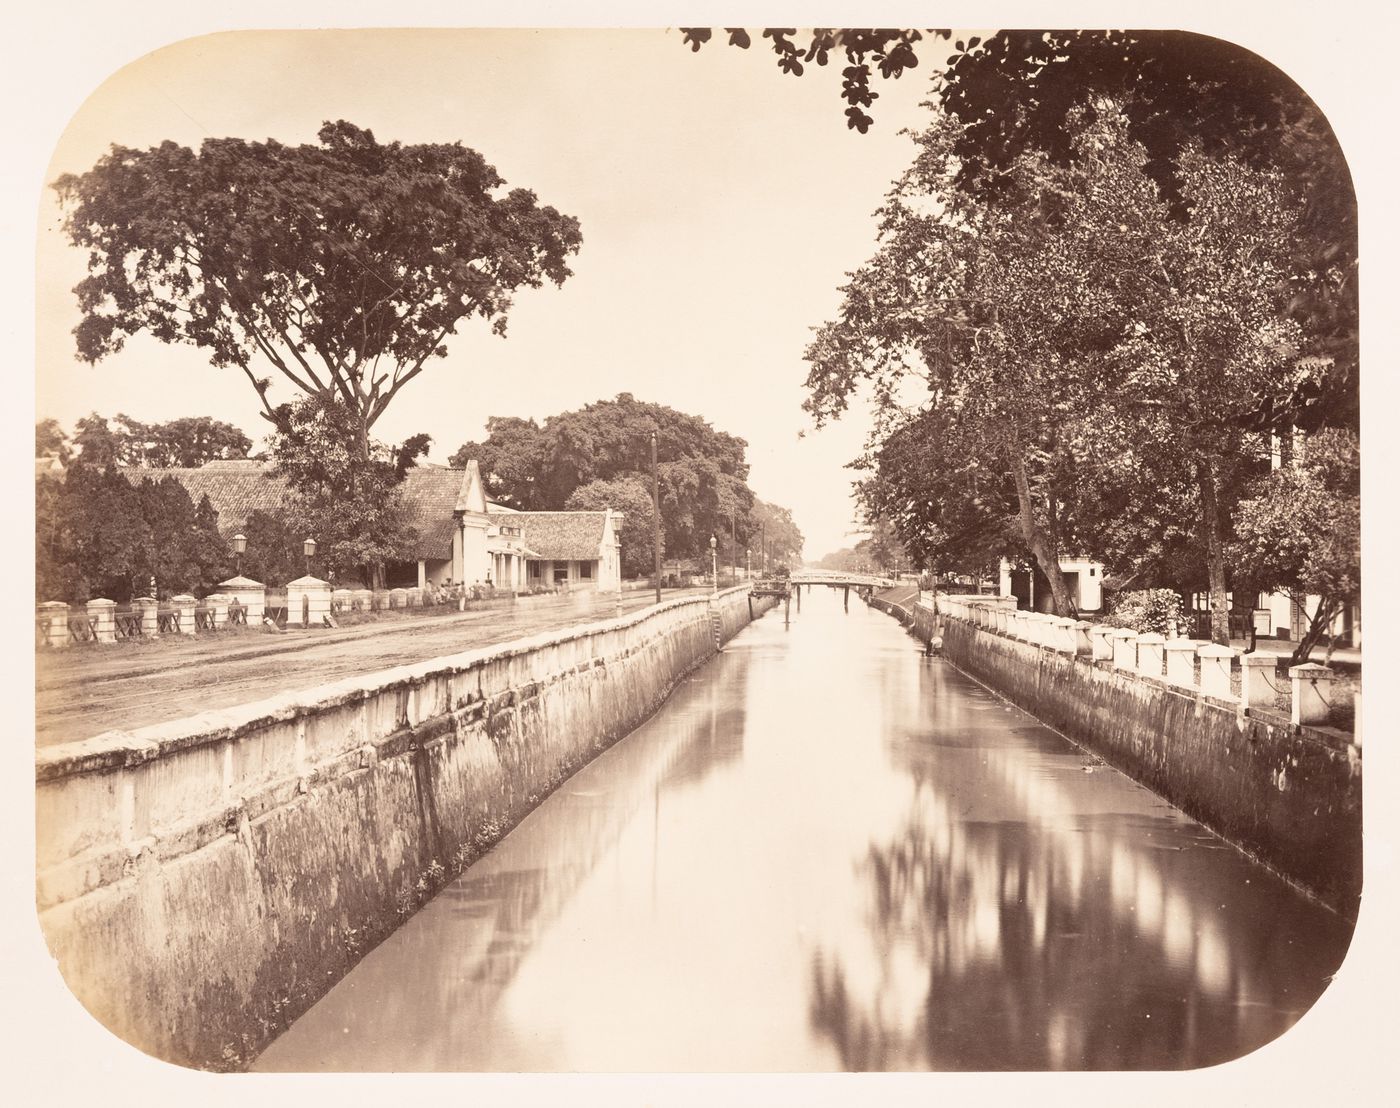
column 202, row 882
column 1288, row 795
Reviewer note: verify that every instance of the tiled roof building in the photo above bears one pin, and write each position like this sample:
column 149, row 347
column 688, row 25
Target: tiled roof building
column 462, row 536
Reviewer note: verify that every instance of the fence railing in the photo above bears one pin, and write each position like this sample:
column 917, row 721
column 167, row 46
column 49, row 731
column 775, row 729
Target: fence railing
column 56, row 625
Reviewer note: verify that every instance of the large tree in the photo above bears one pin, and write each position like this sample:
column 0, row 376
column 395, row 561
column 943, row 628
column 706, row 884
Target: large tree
column 350, row 504
column 702, row 472
column 341, row 268
column 185, row 443
column 1073, row 333
column 1018, row 91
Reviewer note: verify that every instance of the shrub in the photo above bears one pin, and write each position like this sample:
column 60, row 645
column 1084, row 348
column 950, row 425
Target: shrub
column 1147, row 610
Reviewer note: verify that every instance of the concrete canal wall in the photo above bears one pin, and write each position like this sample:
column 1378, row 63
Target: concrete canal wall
column 202, row 882
column 1288, row 795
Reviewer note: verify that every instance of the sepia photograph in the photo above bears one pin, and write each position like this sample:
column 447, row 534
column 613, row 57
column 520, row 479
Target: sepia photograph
column 630, row 548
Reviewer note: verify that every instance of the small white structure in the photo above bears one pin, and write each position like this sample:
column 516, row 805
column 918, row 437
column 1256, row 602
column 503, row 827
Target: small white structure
column 308, row 602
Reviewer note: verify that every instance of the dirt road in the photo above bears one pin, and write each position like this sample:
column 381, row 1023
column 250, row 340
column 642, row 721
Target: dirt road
column 90, row 689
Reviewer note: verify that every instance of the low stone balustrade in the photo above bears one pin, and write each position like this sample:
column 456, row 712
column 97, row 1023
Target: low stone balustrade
column 184, row 606
column 149, row 608
column 1083, row 645
column 308, row 602
column 52, row 617
column 342, row 600
column 1150, row 649
column 1181, row 661
column 1258, row 679
column 398, row 598
column 1312, row 692
column 251, row 596
column 1124, row 649
column 102, row 614
column 1063, row 637
column 1217, row 664
column 1193, row 665
column 217, row 603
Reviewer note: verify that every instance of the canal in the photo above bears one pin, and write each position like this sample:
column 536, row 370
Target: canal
column 828, row 852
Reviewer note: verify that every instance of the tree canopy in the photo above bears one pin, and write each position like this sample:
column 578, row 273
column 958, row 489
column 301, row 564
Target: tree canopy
column 702, row 472
column 97, row 534
column 1077, row 342
column 1022, row 91
column 185, row 443
column 349, row 503
column 341, row 267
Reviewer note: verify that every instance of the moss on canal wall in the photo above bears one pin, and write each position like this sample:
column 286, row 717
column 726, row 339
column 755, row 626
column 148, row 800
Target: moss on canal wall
column 1289, row 796
column 203, row 882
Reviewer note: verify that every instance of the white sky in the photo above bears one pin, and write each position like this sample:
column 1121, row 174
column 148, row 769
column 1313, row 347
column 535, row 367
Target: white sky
column 720, row 205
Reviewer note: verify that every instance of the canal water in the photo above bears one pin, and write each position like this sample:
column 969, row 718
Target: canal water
column 828, row 852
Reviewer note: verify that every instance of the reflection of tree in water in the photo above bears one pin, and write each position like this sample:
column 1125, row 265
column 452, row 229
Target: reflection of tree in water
column 999, row 945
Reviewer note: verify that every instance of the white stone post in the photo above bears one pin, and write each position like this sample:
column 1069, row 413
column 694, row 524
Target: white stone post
column 1101, row 642
column 217, row 603
column 318, row 601
column 250, row 594
column 1181, row 661
column 1124, row 648
column 1149, row 654
column 1258, row 679
column 1083, row 644
column 398, row 598
column 1312, row 693
column 1216, row 664
column 101, row 613
column 54, row 613
column 149, row 607
column 184, row 605
column 1063, row 637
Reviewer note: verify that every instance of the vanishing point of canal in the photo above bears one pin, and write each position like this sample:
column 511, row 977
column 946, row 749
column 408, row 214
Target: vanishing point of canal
column 829, row 852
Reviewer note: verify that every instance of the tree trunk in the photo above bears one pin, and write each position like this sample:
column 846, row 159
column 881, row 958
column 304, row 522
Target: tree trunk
column 1328, row 609
column 1047, row 558
column 1215, row 555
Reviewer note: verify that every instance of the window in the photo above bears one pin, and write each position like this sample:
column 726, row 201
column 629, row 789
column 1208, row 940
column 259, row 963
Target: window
column 585, row 571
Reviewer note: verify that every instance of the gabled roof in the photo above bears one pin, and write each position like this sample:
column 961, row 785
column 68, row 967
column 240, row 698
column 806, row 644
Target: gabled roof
column 236, row 489
column 564, row 536
column 430, row 494
column 239, row 488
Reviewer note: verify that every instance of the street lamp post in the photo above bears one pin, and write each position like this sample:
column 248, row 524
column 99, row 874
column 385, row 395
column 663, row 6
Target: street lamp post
column 655, row 518
column 309, row 549
column 714, row 566
column 240, row 544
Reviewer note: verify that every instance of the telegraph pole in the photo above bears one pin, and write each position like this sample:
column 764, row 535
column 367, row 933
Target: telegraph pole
column 655, row 518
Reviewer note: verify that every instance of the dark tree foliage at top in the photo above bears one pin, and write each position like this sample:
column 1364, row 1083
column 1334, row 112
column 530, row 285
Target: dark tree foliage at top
column 890, row 52
column 1019, row 90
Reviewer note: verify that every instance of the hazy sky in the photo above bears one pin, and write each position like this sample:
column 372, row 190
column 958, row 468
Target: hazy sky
column 720, row 202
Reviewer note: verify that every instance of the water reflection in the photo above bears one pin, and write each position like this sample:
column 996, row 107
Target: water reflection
column 1037, row 911
column 828, row 852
